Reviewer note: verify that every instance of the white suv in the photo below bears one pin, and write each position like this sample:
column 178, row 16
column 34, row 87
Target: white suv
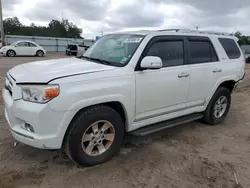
column 125, row 82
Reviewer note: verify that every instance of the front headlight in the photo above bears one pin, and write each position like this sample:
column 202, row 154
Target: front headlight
column 39, row 93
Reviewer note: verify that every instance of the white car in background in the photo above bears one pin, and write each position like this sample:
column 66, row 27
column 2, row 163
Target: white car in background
column 28, row 48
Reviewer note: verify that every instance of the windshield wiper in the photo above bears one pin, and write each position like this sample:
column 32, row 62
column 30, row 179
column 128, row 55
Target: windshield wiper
column 84, row 57
column 96, row 59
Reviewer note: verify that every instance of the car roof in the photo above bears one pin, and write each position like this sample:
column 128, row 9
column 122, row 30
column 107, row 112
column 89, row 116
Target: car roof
column 25, row 41
column 187, row 32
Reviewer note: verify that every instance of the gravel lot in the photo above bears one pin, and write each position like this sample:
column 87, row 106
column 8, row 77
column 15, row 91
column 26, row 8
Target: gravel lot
column 189, row 156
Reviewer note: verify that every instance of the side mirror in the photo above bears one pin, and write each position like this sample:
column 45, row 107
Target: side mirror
column 151, row 62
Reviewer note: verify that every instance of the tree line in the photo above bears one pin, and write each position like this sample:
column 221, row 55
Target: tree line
column 243, row 39
column 66, row 29
column 56, row 28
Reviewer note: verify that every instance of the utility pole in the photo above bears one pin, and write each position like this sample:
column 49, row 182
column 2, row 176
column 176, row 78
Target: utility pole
column 1, row 24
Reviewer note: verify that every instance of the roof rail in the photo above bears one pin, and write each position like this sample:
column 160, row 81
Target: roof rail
column 210, row 32
column 176, row 30
column 198, row 31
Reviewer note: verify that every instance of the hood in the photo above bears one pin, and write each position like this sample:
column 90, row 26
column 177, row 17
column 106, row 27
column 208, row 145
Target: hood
column 45, row 71
column 5, row 47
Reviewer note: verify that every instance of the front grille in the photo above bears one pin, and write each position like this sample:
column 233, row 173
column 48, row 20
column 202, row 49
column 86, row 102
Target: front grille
column 8, row 84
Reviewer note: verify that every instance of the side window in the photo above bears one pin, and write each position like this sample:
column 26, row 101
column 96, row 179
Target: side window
column 201, row 52
column 230, row 48
column 22, row 44
column 32, row 45
column 170, row 52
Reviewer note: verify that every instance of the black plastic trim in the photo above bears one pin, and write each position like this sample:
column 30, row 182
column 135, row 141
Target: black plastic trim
column 30, row 137
column 241, row 78
column 166, row 124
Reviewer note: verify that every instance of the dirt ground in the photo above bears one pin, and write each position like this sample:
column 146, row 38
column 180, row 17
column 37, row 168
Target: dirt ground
column 193, row 155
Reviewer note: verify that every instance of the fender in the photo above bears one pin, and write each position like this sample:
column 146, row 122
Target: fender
column 218, row 83
column 76, row 107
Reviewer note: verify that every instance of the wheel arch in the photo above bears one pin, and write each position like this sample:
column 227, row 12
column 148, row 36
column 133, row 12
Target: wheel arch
column 229, row 84
column 224, row 82
column 115, row 105
column 39, row 50
column 10, row 49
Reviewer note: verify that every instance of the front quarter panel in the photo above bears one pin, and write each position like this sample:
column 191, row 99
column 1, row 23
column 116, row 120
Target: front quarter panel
column 6, row 49
column 77, row 95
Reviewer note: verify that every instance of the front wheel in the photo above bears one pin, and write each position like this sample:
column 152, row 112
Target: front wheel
column 94, row 136
column 40, row 53
column 11, row 53
column 218, row 107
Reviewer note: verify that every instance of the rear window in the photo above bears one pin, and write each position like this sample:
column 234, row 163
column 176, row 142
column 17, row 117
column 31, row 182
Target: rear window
column 230, row 48
column 201, row 52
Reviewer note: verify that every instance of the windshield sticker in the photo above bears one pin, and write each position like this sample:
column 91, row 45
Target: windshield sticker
column 132, row 40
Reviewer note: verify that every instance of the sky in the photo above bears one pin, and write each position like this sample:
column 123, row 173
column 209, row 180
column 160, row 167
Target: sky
column 97, row 16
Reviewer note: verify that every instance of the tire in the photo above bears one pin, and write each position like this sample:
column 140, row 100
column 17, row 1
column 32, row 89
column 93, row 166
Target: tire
column 213, row 117
column 11, row 53
column 80, row 126
column 40, row 53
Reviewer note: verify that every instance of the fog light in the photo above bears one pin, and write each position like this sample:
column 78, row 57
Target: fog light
column 29, row 127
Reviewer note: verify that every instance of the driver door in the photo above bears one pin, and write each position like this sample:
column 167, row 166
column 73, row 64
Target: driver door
column 22, row 48
column 164, row 90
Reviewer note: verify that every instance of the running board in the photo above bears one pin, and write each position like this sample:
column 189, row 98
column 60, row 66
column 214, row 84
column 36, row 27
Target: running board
column 166, row 124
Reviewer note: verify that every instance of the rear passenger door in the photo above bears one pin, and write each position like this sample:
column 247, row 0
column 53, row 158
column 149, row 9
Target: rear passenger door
column 22, row 48
column 204, row 67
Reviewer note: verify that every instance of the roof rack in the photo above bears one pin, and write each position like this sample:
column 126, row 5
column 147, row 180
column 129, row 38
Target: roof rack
column 198, row 31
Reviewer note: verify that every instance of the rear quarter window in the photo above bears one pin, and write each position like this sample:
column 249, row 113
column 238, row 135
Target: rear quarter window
column 230, row 47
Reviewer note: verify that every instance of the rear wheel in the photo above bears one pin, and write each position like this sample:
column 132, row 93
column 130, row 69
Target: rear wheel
column 40, row 53
column 94, row 136
column 218, row 107
column 11, row 53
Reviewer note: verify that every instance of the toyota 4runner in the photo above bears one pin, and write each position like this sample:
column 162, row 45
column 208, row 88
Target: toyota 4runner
column 136, row 82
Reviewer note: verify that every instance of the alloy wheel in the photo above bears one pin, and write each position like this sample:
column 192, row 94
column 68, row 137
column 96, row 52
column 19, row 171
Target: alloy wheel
column 98, row 138
column 220, row 107
column 11, row 53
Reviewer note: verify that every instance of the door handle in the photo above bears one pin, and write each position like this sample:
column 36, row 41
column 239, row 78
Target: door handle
column 217, row 70
column 183, row 74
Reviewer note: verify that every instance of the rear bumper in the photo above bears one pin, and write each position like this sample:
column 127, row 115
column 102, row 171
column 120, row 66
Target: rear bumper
column 238, row 83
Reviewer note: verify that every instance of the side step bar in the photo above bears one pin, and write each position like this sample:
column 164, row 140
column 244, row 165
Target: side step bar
column 166, row 124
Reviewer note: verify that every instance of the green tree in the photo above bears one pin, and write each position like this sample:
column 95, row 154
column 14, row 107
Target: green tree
column 12, row 25
column 55, row 28
column 243, row 40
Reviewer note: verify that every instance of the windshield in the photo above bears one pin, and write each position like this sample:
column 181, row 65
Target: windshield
column 13, row 44
column 116, row 49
